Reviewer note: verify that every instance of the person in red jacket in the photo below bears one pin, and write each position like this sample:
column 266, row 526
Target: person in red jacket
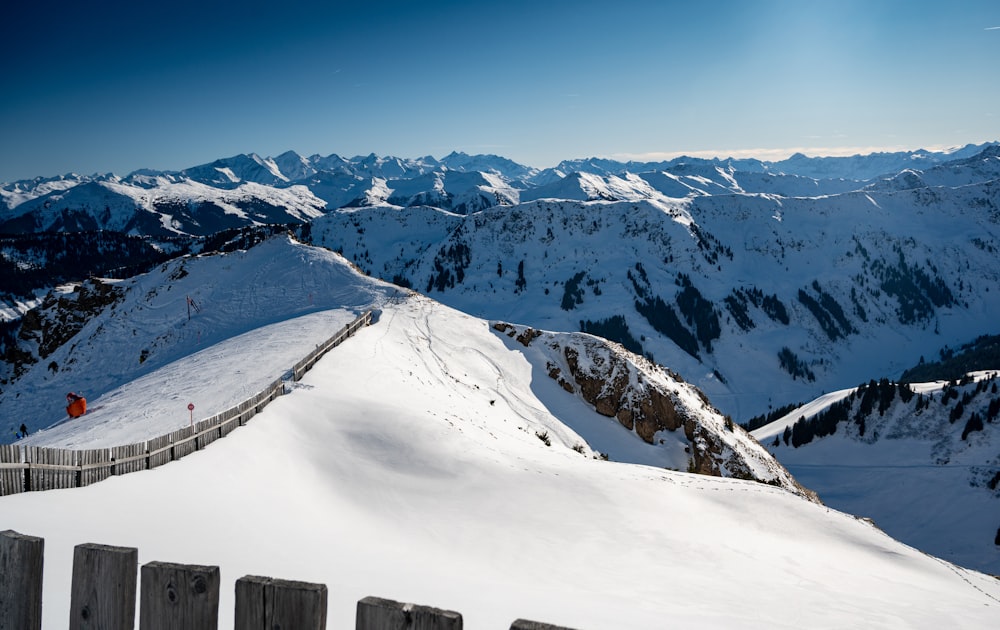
column 76, row 406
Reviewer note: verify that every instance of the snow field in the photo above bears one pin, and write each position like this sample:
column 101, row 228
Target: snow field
column 388, row 472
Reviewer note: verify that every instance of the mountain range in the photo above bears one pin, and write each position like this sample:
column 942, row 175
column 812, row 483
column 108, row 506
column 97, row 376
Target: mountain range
column 716, row 265
column 758, row 283
column 247, row 188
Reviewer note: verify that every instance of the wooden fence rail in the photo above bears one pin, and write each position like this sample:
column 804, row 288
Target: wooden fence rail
column 186, row 597
column 35, row 468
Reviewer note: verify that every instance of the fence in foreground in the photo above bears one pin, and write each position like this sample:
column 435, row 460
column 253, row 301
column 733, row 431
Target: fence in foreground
column 33, row 468
column 186, row 597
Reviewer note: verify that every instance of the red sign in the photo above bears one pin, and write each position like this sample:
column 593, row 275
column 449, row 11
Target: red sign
column 190, row 406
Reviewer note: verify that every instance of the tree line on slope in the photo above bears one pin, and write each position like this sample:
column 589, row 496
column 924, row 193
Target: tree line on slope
column 40, row 261
column 32, row 262
column 860, row 406
column 982, row 353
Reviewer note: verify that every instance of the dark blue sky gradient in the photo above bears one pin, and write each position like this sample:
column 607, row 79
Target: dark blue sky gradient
column 115, row 86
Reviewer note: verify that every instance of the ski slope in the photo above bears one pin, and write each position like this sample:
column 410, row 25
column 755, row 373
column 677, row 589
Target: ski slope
column 406, row 465
column 255, row 313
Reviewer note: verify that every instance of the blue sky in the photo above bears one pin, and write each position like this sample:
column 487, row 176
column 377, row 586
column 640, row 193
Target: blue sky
column 116, row 86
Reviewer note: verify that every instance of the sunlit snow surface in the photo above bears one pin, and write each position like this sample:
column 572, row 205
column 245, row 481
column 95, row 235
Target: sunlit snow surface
column 406, row 465
column 284, row 298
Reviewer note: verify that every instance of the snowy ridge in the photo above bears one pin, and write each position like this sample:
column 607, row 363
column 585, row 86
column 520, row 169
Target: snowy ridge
column 282, row 295
column 13, row 195
column 160, row 206
column 143, row 332
column 146, row 454
column 475, row 191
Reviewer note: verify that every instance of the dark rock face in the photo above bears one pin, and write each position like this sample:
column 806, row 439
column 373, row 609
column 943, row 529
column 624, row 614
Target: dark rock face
column 60, row 317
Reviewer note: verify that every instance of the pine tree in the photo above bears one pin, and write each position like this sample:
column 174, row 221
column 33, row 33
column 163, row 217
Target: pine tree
column 974, row 423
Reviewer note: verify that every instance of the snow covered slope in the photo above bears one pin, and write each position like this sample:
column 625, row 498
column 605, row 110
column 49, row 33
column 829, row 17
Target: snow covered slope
column 408, row 465
column 819, row 282
column 105, row 334
column 669, row 415
column 921, row 460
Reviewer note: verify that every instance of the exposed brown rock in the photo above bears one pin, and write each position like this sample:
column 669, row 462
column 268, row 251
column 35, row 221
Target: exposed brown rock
column 529, row 335
column 610, row 393
column 706, row 449
column 505, row 328
column 658, row 405
column 625, row 418
column 622, row 386
column 556, row 374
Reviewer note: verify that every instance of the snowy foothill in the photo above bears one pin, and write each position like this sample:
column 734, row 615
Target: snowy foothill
column 406, row 465
column 914, row 472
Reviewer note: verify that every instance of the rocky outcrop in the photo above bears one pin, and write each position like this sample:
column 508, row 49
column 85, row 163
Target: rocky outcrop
column 649, row 399
column 54, row 322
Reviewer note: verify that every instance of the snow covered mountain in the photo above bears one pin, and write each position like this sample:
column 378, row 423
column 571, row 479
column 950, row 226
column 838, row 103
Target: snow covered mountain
column 463, row 193
column 853, row 168
column 438, row 458
column 158, row 205
column 755, row 298
column 98, row 336
column 813, row 278
column 920, row 459
column 248, row 189
column 759, row 286
column 872, row 165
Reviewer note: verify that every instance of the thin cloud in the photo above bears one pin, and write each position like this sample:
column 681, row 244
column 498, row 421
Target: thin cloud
column 992, row 28
column 767, row 154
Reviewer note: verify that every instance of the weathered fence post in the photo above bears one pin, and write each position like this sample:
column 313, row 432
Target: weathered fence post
column 375, row 613
column 264, row 603
column 21, row 560
column 104, row 584
column 12, row 470
column 178, row 597
column 524, row 624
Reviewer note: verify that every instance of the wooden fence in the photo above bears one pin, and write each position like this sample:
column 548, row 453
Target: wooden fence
column 34, row 468
column 186, row 597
